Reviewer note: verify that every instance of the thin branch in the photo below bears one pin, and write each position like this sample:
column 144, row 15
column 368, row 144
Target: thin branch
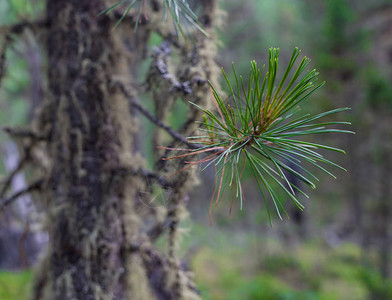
column 36, row 185
column 137, row 105
column 19, row 133
column 145, row 174
column 3, row 58
column 12, row 175
column 8, row 31
column 24, row 133
column 159, row 71
column 18, row 28
column 156, row 177
column 157, row 230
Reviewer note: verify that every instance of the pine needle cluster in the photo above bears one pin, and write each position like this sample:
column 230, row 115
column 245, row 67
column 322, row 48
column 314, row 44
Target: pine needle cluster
column 179, row 10
column 260, row 125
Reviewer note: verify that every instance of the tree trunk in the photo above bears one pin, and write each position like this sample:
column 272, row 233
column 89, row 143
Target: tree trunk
column 92, row 220
column 385, row 207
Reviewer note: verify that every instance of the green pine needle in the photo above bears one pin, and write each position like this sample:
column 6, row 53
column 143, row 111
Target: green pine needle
column 179, row 11
column 260, row 126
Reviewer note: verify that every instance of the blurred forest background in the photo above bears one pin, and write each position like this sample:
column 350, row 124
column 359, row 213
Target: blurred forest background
column 340, row 246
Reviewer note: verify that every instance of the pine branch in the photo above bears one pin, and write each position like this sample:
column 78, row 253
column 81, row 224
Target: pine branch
column 259, row 125
column 137, row 105
column 179, row 10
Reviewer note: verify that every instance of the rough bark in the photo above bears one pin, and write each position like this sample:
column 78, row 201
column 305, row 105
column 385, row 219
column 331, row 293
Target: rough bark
column 91, row 221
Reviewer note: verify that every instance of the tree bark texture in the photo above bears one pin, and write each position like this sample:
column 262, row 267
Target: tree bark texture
column 92, row 137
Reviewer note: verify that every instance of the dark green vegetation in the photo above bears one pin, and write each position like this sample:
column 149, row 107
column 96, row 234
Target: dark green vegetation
column 258, row 268
column 268, row 270
column 15, row 285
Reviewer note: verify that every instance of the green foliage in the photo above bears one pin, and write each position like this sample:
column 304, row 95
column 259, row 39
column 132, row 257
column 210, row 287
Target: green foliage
column 374, row 282
column 378, row 89
column 13, row 10
column 230, row 270
column 261, row 127
column 267, row 287
column 15, row 285
column 332, row 63
column 226, row 268
column 14, row 87
column 21, row 6
column 269, row 22
column 180, row 11
column 339, row 16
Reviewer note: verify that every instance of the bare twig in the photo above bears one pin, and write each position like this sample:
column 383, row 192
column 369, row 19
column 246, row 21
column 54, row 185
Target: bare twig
column 167, row 128
column 19, row 133
column 24, row 133
column 3, row 50
column 11, row 176
column 159, row 71
column 137, row 105
column 17, row 29
column 156, row 177
column 146, row 174
column 36, row 185
column 157, row 230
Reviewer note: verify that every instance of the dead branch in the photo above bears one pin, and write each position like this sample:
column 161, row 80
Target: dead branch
column 18, row 28
column 10, row 178
column 157, row 230
column 36, row 185
column 3, row 50
column 20, row 133
column 143, row 173
column 137, row 105
column 159, row 72
column 24, row 133
column 8, row 31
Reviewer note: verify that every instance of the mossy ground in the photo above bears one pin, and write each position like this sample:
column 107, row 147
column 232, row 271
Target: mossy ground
column 247, row 267
column 15, row 285
column 235, row 265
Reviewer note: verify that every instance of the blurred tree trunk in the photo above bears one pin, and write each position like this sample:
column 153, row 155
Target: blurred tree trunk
column 385, row 212
column 91, row 215
column 377, row 21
